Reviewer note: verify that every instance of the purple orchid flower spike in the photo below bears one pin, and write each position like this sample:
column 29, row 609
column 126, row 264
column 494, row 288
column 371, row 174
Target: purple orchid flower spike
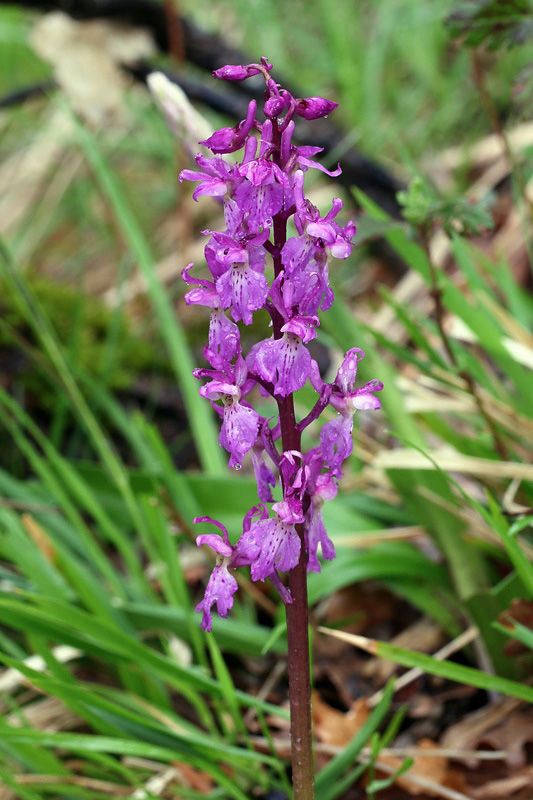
column 256, row 268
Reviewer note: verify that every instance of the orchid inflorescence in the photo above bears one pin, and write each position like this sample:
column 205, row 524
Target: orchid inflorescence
column 259, row 195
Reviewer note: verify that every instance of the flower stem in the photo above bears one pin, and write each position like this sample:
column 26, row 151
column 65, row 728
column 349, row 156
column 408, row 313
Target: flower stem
column 303, row 778
column 298, row 641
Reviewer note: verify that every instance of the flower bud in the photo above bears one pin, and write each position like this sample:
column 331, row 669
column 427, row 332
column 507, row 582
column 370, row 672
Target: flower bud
column 315, row 107
column 238, row 72
column 231, row 73
column 274, row 106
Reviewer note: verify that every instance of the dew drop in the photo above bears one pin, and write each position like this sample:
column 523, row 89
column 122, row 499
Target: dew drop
column 237, row 467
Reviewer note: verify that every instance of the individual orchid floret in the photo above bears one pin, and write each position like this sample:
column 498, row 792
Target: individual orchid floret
column 238, row 267
column 240, row 423
column 275, row 545
column 325, row 488
column 285, row 363
column 221, row 585
column 262, row 193
column 345, row 398
column 264, row 477
column 336, row 443
column 319, row 237
column 224, row 335
column 216, row 178
column 336, row 435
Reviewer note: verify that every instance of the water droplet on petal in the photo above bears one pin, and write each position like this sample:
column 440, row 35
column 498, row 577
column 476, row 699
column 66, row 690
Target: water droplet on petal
column 237, row 467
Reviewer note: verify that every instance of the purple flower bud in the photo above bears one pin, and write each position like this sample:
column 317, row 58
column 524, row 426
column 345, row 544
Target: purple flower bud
column 314, row 107
column 227, row 140
column 237, row 72
column 232, row 73
column 274, row 106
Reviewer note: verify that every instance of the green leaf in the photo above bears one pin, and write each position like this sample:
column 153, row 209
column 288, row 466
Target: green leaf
column 199, row 414
column 517, row 631
column 445, row 669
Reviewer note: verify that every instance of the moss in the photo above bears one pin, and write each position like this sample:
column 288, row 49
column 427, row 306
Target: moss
column 101, row 343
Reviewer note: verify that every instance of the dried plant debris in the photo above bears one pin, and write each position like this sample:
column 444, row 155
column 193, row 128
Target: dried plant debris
column 86, row 57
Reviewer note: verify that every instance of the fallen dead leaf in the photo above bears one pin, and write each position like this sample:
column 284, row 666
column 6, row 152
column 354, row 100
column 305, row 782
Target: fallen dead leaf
column 422, row 635
column 502, row 727
column 335, row 727
column 432, row 769
column 195, row 778
column 513, row 736
column 496, row 790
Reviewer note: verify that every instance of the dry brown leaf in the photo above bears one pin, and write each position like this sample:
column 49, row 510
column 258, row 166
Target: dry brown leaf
column 502, row 727
column 504, row 787
column 432, row 769
column 196, row 779
column 39, row 537
column 422, row 635
column 335, row 727
column 513, row 736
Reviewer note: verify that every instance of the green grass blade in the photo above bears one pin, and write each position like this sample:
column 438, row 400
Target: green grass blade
column 443, row 669
column 199, row 413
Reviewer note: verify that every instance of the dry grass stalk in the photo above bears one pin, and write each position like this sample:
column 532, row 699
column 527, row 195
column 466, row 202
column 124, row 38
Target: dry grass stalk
column 451, row 461
column 11, row 679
